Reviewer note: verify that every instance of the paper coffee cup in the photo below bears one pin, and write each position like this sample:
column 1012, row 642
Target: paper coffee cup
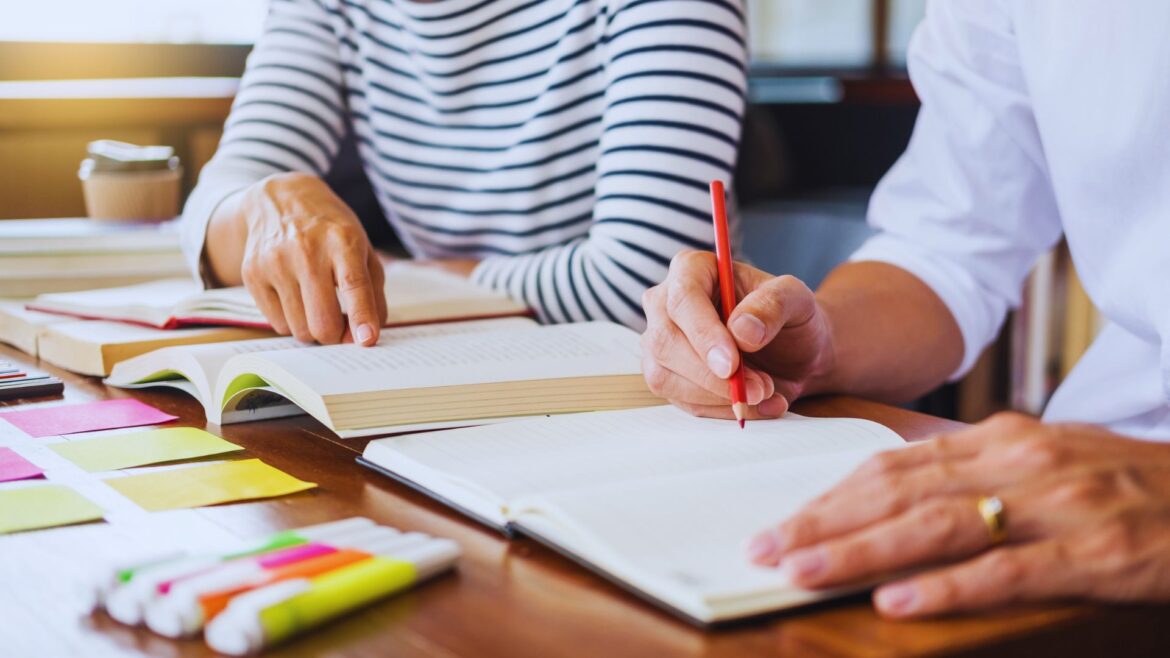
column 132, row 195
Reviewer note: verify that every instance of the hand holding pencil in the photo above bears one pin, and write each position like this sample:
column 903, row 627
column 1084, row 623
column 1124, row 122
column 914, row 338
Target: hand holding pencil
column 777, row 336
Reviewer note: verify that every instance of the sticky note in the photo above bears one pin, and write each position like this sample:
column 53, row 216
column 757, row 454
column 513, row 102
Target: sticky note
column 109, row 453
column 88, row 417
column 44, row 506
column 15, row 467
column 208, row 484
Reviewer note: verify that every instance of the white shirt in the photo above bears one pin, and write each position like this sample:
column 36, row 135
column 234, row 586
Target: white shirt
column 1043, row 117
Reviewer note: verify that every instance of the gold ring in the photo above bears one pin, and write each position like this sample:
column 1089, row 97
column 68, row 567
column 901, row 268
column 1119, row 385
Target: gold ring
column 991, row 509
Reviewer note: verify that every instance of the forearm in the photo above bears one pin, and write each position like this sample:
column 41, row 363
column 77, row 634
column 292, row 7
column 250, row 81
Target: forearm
column 227, row 233
column 893, row 339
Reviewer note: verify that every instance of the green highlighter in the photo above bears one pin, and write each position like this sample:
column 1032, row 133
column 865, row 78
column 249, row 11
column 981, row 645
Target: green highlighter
column 272, row 614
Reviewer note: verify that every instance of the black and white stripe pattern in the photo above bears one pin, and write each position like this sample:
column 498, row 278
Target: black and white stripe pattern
column 565, row 143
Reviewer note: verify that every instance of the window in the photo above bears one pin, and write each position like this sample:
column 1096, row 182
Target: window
column 132, row 21
column 831, row 33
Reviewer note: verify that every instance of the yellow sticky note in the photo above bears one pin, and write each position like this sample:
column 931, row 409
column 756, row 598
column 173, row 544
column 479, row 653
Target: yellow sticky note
column 44, row 506
column 210, row 484
column 110, row 453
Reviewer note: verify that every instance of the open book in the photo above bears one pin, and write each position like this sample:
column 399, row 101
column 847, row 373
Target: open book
column 415, row 294
column 428, row 376
column 653, row 499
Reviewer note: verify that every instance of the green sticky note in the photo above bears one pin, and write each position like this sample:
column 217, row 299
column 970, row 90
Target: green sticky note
column 44, row 506
column 110, row 453
column 209, row 484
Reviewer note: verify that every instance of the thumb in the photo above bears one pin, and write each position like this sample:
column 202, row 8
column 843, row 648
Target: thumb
column 774, row 304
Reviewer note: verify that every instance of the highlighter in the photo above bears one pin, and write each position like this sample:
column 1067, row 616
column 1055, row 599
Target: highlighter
column 125, row 592
column 189, row 604
column 272, row 614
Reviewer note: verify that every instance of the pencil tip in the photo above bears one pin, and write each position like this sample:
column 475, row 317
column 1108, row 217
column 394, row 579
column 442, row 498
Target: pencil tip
column 741, row 411
column 742, row 422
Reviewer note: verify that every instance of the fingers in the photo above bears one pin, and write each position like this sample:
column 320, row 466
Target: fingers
column 322, row 313
column 892, row 482
column 667, row 384
column 777, row 303
column 665, row 343
column 690, row 288
column 862, row 498
column 968, row 442
column 943, row 529
column 289, row 292
column 303, row 244
column 1005, row 575
column 722, row 411
column 785, row 392
column 269, row 304
column 356, row 285
column 378, row 276
column 669, row 356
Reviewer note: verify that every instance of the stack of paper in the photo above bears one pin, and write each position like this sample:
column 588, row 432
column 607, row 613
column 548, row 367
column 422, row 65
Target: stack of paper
column 53, row 255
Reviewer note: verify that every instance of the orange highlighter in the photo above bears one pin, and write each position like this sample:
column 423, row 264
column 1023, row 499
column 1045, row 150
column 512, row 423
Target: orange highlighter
column 727, row 291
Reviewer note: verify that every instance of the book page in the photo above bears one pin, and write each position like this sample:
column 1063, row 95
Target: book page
column 227, row 304
column 687, row 532
column 585, row 450
column 488, row 351
column 147, row 302
column 418, row 293
column 200, row 364
column 414, row 294
column 100, row 333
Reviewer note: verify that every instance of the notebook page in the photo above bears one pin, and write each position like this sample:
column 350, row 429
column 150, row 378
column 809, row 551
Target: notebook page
column 682, row 537
column 584, row 450
column 491, row 351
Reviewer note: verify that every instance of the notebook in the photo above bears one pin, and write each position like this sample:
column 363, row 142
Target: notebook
column 653, row 499
column 426, row 376
column 415, row 294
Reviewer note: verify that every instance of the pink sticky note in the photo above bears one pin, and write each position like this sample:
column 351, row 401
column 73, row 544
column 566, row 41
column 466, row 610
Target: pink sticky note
column 88, row 417
column 15, row 467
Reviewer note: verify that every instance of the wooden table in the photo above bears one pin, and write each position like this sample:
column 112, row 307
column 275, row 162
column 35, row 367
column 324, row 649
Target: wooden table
column 508, row 598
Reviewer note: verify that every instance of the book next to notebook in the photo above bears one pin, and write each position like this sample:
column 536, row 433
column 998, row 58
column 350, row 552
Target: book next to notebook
column 439, row 375
column 415, row 294
column 653, row 499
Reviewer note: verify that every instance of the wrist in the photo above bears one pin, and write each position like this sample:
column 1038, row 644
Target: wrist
column 227, row 231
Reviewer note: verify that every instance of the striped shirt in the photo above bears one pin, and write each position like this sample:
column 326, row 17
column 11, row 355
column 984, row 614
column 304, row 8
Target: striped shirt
column 565, row 144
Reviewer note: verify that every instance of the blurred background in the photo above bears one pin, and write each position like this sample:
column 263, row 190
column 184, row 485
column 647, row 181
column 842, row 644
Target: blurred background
column 830, row 110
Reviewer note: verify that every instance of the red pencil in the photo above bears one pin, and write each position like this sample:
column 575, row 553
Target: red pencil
column 727, row 290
